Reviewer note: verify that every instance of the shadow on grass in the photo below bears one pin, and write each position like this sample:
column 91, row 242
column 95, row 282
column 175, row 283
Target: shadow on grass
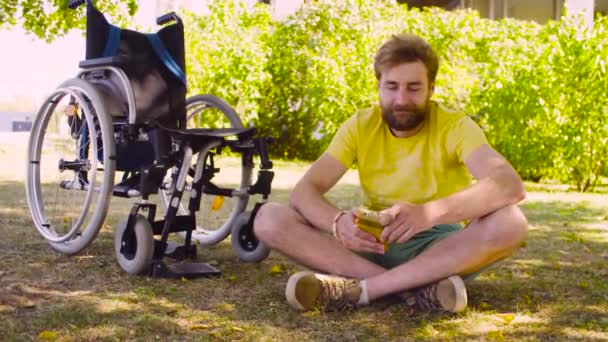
column 554, row 286
column 344, row 196
column 559, row 212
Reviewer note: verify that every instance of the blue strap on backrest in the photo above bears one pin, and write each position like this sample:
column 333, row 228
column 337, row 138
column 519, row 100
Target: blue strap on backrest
column 165, row 57
column 112, row 42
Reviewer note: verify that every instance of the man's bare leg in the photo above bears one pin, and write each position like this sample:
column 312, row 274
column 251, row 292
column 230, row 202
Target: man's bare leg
column 483, row 242
column 285, row 230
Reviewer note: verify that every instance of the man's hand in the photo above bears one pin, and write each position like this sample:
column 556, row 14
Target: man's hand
column 354, row 238
column 407, row 220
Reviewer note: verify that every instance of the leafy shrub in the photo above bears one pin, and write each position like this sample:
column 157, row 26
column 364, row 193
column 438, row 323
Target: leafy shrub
column 544, row 104
column 538, row 91
column 225, row 56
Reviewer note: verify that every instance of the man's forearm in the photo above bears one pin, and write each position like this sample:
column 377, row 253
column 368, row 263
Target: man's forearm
column 311, row 204
column 487, row 195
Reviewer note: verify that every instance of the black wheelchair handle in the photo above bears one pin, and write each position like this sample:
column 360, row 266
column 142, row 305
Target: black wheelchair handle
column 73, row 4
column 165, row 18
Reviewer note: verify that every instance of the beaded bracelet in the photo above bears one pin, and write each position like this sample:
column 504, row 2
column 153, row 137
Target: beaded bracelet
column 334, row 225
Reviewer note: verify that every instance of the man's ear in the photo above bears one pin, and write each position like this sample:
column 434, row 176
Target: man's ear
column 431, row 89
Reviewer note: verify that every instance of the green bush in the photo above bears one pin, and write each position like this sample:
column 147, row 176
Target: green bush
column 506, row 100
column 538, row 91
column 225, row 56
column 320, row 73
column 544, row 102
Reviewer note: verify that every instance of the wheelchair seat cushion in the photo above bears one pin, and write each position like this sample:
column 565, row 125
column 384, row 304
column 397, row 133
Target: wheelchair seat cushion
column 220, row 132
column 203, row 135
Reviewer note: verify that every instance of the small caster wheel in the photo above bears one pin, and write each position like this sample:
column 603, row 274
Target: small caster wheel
column 135, row 248
column 244, row 243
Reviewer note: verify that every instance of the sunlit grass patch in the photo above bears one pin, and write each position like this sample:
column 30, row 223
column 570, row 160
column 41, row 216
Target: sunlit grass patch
column 553, row 288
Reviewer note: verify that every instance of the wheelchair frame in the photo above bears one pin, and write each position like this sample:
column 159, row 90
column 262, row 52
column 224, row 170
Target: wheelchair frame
column 165, row 149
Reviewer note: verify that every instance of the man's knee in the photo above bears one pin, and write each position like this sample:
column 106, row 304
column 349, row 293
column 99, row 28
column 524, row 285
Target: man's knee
column 270, row 222
column 505, row 228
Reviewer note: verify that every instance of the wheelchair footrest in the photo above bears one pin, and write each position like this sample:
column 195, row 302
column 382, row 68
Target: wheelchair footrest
column 184, row 270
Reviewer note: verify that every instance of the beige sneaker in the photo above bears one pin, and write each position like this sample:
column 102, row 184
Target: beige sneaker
column 307, row 291
column 449, row 294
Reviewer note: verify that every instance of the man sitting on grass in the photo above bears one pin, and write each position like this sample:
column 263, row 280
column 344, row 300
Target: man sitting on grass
column 415, row 160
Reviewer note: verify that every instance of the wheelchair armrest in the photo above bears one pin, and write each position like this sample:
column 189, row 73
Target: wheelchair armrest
column 104, row 61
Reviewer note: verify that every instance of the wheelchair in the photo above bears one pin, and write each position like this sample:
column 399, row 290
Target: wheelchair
column 120, row 129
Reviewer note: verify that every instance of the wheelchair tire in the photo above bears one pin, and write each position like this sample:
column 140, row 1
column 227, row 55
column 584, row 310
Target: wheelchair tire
column 214, row 225
column 69, row 207
column 137, row 246
column 244, row 243
column 211, row 101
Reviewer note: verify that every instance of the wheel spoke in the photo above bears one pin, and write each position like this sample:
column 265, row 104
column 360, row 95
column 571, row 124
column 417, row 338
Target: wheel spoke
column 217, row 212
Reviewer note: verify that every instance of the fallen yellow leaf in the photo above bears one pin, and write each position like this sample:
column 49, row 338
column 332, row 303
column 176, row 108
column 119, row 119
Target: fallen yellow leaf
column 199, row 327
column 48, row 335
column 495, row 335
column 313, row 313
column 225, row 307
column 215, row 334
column 506, row 317
column 218, row 201
column 275, row 269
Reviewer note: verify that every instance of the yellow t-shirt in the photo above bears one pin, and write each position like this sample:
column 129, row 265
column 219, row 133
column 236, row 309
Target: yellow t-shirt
column 417, row 169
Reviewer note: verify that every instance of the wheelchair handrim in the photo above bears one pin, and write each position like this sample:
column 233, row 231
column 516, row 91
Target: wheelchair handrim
column 33, row 182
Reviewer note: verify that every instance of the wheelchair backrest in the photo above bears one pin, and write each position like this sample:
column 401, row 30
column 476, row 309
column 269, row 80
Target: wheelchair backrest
column 155, row 66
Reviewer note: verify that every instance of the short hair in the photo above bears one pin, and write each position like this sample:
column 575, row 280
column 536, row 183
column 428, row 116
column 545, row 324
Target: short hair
column 406, row 48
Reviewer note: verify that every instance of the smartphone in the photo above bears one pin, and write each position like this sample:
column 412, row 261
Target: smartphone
column 369, row 221
column 369, row 216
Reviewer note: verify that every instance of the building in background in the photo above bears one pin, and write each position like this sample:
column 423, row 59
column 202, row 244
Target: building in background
column 15, row 121
column 536, row 10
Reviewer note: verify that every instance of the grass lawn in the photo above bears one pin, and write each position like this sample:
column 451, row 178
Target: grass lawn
column 554, row 288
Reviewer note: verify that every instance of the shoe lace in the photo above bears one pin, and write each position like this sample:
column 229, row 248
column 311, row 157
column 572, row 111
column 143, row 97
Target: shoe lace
column 335, row 295
column 426, row 298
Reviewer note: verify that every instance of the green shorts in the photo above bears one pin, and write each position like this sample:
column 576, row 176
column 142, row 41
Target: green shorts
column 399, row 253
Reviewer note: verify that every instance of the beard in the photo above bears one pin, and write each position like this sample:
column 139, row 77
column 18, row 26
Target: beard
column 405, row 118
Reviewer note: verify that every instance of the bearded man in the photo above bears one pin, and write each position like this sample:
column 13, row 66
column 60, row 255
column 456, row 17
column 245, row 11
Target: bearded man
column 415, row 161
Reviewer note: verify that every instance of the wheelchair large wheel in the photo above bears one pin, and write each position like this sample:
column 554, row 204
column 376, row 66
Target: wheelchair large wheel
column 134, row 249
column 70, row 166
column 244, row 243
column 217, row 213
column 210, row 111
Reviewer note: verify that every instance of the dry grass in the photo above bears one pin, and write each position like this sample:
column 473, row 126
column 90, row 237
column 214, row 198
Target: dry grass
column 554, row 288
